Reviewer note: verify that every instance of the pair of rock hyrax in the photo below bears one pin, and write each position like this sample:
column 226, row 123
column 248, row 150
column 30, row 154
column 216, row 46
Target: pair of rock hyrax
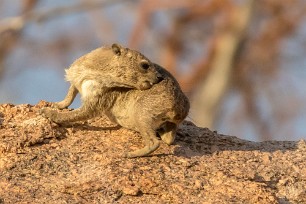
column 131, row 90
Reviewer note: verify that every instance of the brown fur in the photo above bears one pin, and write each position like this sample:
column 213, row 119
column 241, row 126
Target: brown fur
column 132, row 91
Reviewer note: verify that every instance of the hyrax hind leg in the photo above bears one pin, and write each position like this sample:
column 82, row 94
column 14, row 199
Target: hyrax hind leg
column 167, row 132
column 150, row 141
column 72, row 92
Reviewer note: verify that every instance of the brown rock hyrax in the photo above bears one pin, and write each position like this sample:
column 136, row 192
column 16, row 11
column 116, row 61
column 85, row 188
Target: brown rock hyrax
column 131, row 90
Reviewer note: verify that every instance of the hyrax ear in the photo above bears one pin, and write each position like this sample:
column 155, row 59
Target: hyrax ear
column 116, row 49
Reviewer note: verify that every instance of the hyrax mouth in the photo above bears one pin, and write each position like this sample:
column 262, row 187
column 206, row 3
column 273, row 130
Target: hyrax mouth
column 146, row 85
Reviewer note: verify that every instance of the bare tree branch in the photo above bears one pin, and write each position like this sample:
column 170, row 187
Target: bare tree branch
column 18, row 22
column 146, row 9
column 10, row 28
column 211, row 91
column 8, row 40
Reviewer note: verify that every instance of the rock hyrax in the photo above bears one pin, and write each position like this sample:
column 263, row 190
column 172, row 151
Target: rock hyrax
column 131, row 90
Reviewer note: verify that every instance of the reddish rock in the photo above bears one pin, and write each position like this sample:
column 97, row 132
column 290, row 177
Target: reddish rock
column 42, row 162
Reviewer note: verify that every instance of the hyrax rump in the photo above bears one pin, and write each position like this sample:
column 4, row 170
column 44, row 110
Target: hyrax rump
column 131, row 90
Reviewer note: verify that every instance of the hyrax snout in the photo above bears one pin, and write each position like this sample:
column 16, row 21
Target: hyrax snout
column 131, row 90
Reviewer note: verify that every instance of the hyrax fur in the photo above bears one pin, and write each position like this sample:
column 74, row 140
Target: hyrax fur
column 131, row 90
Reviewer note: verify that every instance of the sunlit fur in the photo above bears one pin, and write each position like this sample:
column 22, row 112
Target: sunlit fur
column 132, row 91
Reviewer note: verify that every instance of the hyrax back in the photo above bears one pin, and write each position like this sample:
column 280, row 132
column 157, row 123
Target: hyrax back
column 130, row 89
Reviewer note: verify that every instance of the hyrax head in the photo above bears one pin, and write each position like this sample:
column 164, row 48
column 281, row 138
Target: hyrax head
column 133, row 69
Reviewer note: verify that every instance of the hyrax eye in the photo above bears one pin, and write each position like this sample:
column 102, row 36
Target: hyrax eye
column 144, row 65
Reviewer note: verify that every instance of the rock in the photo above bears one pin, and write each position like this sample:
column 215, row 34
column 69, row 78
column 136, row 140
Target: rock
column 42, row 162
column 131, row 190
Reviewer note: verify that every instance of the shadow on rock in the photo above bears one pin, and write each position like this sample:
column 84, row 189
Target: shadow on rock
column 196, row 141
column 1, row 118
column 85, row 126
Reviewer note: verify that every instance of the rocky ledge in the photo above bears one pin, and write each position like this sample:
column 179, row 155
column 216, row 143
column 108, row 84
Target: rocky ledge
column 43, row 162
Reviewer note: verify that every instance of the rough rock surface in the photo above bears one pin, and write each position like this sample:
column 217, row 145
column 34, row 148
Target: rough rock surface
column 42, row 162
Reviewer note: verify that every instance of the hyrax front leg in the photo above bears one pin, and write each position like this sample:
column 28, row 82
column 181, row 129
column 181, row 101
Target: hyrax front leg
column 151, row 144
column 72, row 92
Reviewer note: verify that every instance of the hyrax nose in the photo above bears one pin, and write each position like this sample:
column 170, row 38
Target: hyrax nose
column 159, row 77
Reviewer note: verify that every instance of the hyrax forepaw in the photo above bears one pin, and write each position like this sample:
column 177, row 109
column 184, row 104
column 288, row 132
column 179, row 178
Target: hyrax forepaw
column 48, row 113
column 59, row 105
column 129, row 155
column 125, row 155
column 55, row 105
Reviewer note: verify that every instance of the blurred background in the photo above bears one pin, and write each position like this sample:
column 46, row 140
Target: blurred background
column 241, row 62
